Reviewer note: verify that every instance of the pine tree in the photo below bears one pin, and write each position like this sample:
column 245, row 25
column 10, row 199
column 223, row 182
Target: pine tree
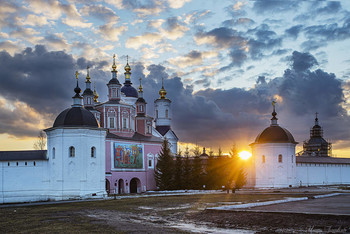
column 178, row 176
column 187, row 170
column 164, row 173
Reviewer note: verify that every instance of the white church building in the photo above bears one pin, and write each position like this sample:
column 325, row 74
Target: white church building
column 274, row 163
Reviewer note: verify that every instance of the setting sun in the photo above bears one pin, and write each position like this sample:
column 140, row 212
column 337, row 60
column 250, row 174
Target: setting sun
column 244, row 155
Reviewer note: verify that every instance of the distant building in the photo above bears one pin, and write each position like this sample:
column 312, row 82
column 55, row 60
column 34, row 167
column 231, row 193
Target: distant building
column 275, row 165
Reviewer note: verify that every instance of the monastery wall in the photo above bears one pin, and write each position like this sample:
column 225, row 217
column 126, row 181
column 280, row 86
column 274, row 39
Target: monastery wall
column 322, row 174
column 24, row 181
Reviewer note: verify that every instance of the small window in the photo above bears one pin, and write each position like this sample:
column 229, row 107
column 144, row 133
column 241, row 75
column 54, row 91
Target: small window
column 53, row 153
column 34, row 164
column 166, row 113
column 280, row 158
column 149, row 163
column 71, row 151
column 124, row 123
column 141, row 109
column 111, row 122
column 93, row 152
column 8, row 164
column 25, row 163
column 263, row 159
column 17, row 163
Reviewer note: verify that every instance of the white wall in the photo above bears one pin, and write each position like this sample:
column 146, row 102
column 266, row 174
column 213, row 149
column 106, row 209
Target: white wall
column 322, row 174
column 81, row 175
column 23, row 183
column 62, row 177
column 162, row 105
column 274, row 174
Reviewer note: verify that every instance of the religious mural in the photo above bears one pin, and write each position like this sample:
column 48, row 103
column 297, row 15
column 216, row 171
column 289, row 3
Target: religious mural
column 128, row 156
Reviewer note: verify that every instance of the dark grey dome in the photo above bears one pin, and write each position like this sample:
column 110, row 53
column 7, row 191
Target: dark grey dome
column 114, row 81
column 129, row 91
column 76, row 116
column 275, row 134
column 141, row 100
column 88, row 92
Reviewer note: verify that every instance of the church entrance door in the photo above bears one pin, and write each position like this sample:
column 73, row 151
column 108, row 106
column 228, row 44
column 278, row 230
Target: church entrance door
column 135, row 185
column 120, row 186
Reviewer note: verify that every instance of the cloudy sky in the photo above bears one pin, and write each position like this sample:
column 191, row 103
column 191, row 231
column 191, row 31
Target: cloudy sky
column 223, row 63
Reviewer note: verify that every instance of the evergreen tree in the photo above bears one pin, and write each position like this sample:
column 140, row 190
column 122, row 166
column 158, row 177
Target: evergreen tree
column 187, row 170
column 178, row 176
column 164, row 173
column 241, row 179
column 196, row 172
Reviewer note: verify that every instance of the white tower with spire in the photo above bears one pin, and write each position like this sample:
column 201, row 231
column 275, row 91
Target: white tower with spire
column 273, row 159
column 162, row 115
column 114, row 85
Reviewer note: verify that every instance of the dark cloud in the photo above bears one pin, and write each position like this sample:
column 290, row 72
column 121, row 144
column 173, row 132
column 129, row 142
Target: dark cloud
column 275, row 6
column 45, row 81
column 332, row 7
column 294, row 31
column 302, row 61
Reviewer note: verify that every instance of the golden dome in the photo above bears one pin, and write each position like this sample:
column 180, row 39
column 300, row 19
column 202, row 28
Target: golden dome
column 162, row 93
column 114, row 67
column 127, row 66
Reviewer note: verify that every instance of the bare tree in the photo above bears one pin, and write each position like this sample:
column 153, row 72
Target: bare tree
column 40, row 143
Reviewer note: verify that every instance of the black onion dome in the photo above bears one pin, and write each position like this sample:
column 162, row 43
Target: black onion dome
column 88, row 92
column 129, row 91
column 75, row 116
column 275, row 134
column 114, row 81
column 141, row 100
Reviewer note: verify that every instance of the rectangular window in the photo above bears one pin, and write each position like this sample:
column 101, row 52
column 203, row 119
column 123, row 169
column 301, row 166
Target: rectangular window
column 280, row 158
column 111, row 122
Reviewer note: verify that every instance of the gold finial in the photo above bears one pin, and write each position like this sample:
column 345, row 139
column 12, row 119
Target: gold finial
column 127, row 67
column 95, row 93
column 162, row 91
column 140, row 87
column 76, row 75
column 88, row 75
column 274, row 104
column 114, row 67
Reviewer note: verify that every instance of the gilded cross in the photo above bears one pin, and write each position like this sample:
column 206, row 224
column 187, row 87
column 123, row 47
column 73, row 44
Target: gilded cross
column 76, row 75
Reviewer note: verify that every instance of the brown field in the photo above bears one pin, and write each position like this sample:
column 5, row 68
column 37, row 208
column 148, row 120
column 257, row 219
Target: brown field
column 162, row 214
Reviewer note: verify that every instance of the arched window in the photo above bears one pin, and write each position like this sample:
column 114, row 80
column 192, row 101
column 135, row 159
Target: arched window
column 53, row 153
column 263, row 159
column 166, row 113
column 93, row 152
column 280, row 158
column 71, row 151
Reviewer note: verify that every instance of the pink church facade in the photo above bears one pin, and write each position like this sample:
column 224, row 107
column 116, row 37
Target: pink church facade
column 133, row 141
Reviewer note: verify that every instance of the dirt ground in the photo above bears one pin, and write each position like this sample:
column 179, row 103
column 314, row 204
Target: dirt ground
column 168, row 214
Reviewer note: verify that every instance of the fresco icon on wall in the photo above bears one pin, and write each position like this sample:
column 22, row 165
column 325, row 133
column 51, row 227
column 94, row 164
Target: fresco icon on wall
column 128, row 156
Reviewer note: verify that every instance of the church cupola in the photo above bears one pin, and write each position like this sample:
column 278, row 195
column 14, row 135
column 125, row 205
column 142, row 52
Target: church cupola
column 140, row 102
column 88, row 94
column 162, row 107
column 114, row 85
column 77, row 98
column 128, row 90
column 316, row 145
